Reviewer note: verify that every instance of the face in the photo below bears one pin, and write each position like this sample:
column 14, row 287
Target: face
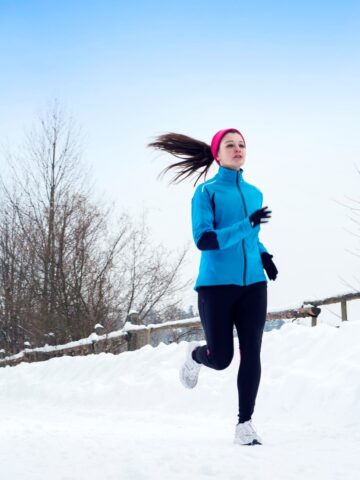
column 232, row 151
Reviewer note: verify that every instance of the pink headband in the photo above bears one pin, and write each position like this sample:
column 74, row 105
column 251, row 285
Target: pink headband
column 215, row 142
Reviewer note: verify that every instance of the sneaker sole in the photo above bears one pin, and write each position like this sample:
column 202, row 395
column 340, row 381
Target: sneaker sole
column 181, row 371
column 254, row 442
column 186, row 385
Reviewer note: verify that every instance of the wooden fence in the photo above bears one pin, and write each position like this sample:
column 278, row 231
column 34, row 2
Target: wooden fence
column 134, row 335
column 342, row 299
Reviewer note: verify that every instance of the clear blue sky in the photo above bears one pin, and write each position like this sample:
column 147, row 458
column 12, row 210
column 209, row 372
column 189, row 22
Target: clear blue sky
column 125, row 58
column 285, row 73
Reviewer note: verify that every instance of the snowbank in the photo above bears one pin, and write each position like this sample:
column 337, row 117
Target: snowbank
column 128, row 417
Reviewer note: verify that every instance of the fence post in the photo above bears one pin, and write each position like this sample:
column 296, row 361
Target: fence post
column 313, row 321
column 343, row 311
column 138, row 338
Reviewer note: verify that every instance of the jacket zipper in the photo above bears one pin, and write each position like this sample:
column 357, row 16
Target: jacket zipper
column 243, row 240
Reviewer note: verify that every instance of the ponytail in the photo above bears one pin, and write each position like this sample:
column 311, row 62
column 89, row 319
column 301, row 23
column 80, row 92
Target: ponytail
column 195, row 154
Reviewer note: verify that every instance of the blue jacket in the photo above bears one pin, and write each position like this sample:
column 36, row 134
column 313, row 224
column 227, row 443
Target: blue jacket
column 229, row 244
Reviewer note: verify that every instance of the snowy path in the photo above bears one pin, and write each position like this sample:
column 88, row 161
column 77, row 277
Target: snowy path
column 127, row 416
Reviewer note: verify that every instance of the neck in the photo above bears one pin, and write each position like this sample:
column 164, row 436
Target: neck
column 230, row 168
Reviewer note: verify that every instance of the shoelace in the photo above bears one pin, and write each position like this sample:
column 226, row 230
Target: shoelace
column 253, row 431
column 248, row 429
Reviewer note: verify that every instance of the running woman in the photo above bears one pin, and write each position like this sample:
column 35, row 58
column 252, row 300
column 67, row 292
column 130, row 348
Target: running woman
column 231, row 284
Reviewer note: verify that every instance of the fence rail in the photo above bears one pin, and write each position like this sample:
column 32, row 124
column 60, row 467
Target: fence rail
column 342, row 299
column 134, row 335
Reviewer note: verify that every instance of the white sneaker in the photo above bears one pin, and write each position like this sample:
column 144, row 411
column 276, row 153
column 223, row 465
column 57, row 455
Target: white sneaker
column 245, row 434
column 189, row 371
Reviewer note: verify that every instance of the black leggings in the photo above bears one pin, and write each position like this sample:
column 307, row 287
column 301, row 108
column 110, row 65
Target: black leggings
column 220, row 308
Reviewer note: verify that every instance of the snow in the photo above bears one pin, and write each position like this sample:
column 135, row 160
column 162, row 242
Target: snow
column 128, row 417
column 94, row 337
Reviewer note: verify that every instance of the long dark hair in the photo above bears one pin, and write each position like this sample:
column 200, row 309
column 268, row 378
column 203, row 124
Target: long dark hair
column 195, row 154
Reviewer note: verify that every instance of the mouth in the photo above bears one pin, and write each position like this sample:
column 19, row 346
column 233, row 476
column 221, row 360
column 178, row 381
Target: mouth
column 238, row 156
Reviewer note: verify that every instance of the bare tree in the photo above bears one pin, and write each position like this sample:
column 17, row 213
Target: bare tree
column 354, row 208
column 13, row 276
column 64, row 266
column 63, row 247
column 152, row 282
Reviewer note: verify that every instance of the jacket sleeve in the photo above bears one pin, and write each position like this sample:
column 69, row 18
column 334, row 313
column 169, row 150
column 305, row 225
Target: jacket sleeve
column 206, row 237
column 262, row 248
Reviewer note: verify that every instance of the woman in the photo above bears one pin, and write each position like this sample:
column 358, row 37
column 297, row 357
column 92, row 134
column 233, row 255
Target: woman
column 231, row 284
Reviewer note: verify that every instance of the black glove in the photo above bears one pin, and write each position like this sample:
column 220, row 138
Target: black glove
column 259, row 216
column 269, row 265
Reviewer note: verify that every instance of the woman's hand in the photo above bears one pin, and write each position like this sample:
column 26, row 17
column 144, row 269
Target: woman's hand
column 269, row 265
column 260, row 216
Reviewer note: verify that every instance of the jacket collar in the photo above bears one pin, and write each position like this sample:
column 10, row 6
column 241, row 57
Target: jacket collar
column 230, row 175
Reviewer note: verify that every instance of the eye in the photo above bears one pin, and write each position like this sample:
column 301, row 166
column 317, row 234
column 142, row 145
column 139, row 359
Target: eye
column 229, row 145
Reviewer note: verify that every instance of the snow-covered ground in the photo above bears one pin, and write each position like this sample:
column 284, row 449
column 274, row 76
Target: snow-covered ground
column 127, row 417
